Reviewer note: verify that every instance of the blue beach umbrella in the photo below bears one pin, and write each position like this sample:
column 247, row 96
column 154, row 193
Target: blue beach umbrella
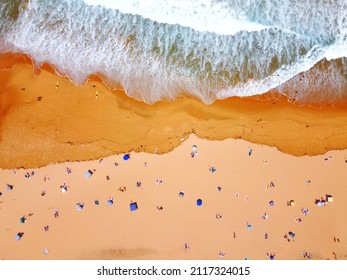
column 133, row 206
column 181, row 194
column 272, row 203
column 89, row 173
column 126, row 157
column 199, row 202
column 249, row 227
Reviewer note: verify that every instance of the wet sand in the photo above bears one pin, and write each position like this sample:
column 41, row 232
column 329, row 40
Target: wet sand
column 42, row 123
column 69, row 122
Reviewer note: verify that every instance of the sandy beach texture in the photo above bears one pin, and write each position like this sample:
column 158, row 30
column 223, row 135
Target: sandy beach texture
column 280, row 153
column 69, row 122
column 235, row 195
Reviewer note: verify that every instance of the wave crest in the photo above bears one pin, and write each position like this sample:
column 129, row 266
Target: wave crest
column 158, row 60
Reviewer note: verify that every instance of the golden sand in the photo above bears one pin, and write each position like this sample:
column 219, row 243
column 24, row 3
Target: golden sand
column 215, row 230
column 41, row 122
column 45, row 118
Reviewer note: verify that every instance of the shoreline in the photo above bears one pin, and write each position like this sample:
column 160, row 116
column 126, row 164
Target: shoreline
column 71, row 123
column 208, row 191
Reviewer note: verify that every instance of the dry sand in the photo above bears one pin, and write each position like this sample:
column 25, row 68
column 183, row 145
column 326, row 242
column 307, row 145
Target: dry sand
column 114, row 232
column 69, row 123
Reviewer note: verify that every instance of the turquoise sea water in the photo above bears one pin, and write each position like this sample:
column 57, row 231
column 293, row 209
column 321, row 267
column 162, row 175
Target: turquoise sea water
column 211, row 49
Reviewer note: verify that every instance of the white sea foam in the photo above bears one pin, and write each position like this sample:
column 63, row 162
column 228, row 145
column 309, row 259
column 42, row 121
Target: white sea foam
column 278, row 78
column 158, row 49
column 201, row 15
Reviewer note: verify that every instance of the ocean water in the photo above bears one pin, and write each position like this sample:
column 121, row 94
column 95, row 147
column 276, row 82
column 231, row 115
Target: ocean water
column 210, row 49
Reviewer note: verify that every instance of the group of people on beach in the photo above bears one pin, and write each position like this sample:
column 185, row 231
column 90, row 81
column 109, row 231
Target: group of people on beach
column 288, row 236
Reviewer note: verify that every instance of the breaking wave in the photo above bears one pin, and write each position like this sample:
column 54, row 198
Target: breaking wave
column 210, row 49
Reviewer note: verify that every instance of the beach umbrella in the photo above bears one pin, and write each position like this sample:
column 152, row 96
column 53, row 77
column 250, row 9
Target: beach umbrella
column 89, row 173
column 133, row 206
column 292, row 203
column 9, row 187
column 110, row 201
column 199, row 202
column 181, row 194
column 249, row 227
column 291, row 234
column 23, row 220
column 194, row 148
column 272, row 203
column 126, row 157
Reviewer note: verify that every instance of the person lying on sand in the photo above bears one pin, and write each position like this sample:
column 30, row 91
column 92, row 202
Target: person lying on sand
column 271, row 255
column 110, row 201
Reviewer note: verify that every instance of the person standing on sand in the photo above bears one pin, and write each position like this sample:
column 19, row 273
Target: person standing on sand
column 56, row 213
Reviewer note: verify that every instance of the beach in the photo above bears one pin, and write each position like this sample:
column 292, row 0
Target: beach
column 237, row 157
column 173, row 130
column 170, row 225
column 70, row 123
